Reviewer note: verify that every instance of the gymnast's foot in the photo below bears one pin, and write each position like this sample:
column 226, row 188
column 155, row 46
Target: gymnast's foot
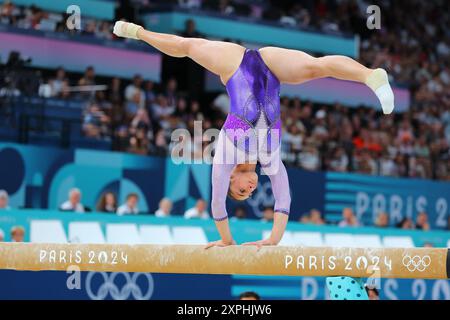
column 126, row 29
column 379, row 83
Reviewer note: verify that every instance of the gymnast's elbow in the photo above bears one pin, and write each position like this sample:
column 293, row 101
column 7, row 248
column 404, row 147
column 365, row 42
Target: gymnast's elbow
column 217, row 206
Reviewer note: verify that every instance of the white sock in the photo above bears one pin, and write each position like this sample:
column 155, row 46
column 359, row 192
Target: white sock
column 126, row 29
column 379, row 83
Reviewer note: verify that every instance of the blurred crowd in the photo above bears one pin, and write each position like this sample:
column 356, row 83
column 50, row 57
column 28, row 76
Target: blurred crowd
column 132, row 205
column 35, row 18
column 140, row 115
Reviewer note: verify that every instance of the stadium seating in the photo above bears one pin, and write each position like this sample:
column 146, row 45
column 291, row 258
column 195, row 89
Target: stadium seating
column 85, row 232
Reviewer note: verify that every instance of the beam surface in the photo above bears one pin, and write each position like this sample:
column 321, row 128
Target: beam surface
column 423, row 263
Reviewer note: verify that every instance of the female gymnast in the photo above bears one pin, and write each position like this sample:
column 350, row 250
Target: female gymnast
column 251, row 131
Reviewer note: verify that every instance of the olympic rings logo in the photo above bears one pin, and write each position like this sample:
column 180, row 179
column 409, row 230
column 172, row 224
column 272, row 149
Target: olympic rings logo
column 416, row 263
column 130, row 287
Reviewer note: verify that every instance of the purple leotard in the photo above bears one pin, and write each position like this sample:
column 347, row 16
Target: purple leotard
column 252, row 132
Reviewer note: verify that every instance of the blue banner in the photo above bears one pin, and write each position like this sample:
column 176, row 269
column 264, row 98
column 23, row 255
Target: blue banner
column 400, row 198
column 40, row 177
column 74, row 285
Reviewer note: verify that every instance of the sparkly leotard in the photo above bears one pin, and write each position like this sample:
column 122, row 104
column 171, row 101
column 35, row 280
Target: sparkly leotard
column 252, row 132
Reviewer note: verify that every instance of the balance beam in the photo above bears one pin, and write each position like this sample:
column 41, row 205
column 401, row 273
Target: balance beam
column 423, row 263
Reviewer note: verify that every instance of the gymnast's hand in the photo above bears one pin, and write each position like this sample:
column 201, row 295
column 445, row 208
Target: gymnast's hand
column 220, row 243
column 261, row 243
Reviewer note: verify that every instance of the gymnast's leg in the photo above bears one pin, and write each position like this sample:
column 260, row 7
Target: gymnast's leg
column 221, row 58
column 294, row 67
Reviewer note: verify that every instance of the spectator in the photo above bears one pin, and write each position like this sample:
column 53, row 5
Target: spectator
column 428, row 245
column 171, row 92
column 422, row 221
column 4, row 200
column 199, row 211
column 372, row 293
column 74, row 202
column 406, row 223
column 249, row 295
column 165, row 208
column 349, row 219
column 149, row 92
column 139, row 143
column 134, row 95
column 130, row 206
column 382, row 220
column 17, row 234
column 2, row 235
column 304, row 218
column 161, row 109
column 190, row 30
column 267, row 214
column 107, row 203
column 315, row 217
column 88, row 79
column 54, row 87
column 114, row 91
column 240, row 213
column 190, row 4
column 95, row 122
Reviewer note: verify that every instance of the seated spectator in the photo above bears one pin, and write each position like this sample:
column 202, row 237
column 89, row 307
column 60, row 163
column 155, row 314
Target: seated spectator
column 17, row 234
column 130, row 206
column 349, row 219
column 304, row 218
column 406, row 223
column 315, row 217
column 74, row 202
column 2, row 235
column 95, row 121
column 249, row 295
column 59, row 82
column 428, row 245
column 165, row 207
column 267, row 214
column 382, row 220
column 199, row 211
column 88, row 79
column 135, row 96
column 149, row 94
column 372, row 292
column 4, row 200
column 139, row 143
column 422, row 221
column 239, row 214
column 107, row 203
column 161, row 109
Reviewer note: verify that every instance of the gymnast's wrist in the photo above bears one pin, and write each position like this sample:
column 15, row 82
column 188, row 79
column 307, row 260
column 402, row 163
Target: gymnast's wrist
column 228, row 242
column 274, row 240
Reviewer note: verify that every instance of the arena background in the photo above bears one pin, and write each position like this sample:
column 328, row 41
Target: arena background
column 54, row 137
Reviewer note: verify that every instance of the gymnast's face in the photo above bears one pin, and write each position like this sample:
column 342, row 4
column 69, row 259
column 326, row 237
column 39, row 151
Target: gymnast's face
column 242, row 184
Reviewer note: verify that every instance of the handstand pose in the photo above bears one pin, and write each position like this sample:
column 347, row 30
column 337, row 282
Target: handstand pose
column 251, row 131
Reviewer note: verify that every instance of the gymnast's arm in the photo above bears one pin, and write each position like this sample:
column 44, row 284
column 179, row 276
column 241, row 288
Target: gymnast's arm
column 281, row 193
column 220, row 183
column 280, row 188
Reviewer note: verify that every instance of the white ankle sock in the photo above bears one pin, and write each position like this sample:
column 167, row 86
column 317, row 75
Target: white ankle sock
column 126, row 29
column 379, row 83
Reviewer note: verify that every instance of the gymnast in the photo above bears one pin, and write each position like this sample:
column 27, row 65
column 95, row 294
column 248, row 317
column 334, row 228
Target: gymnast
column 252, row 130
